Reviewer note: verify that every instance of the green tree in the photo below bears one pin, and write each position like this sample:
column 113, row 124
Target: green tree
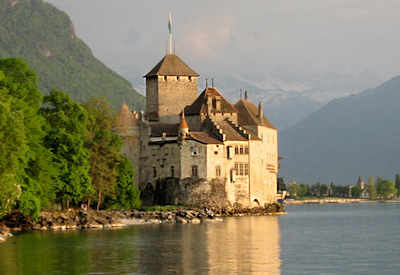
column 397, row 184
column 324, row 190
column 293, row 189
column 385, row 188
column 33, row 171
column 371, row 187
column 12, row 149
column 126, row 195
column 66, row 138
column 281, row 184
column 104, row 146
column 356, row 191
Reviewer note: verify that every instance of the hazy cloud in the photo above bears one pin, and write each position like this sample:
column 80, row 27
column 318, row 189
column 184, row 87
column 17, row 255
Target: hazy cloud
column 256, row 37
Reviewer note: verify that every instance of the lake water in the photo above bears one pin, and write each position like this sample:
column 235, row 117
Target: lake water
column 311, row 239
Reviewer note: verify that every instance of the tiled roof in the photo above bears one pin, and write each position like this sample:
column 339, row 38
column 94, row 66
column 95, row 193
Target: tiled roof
column 204, row 137
column 172, row 65
column 248, row 115
column 200, row 104
column 230, row 132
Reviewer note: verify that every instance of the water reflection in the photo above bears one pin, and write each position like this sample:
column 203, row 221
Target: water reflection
column 243, row 246
column 248, row 245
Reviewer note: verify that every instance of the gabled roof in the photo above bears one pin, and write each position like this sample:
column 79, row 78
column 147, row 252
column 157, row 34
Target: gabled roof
column 248, row 115
column 200, row 104
column 171, row 65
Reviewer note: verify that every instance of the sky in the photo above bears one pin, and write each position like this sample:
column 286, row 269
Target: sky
column 289, row 40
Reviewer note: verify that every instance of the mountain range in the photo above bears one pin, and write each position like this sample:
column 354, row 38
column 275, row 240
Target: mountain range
column 354, row 136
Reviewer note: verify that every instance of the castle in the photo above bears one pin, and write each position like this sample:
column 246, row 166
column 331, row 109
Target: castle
column 192, row 149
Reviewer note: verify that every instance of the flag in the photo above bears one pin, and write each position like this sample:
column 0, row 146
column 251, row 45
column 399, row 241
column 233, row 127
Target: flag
column 170, row 23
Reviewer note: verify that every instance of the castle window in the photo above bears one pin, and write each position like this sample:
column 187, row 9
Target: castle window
column 236, row 150
column 195, row 172
column 172, row 171
column 190, row 78
column 154, row 172
column 246, row 150
column 246, row 169
column 236, row 168
column 165, row 78
column 241, row 169
column 218, row 171
column 241, row 152
column 177, row 78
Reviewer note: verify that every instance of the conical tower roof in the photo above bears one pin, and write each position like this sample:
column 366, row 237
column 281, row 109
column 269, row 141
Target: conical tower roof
column 183, row 124
column 171, row 65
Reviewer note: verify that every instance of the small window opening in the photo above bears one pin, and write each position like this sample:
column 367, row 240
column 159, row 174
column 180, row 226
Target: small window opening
column 154, row 172
column 195, row 172
column 218, row 171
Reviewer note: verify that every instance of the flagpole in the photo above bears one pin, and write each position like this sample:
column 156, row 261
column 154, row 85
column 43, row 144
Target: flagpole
column 170, row 33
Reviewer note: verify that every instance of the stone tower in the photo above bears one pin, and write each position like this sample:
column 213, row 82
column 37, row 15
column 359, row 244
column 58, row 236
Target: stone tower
column 170, row 86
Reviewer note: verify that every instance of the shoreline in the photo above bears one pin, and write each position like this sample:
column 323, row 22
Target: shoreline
column 336, row 201
column 73, row 219
column 325, row 201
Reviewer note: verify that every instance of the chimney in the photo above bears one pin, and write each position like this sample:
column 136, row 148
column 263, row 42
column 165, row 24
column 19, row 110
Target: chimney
column 246, row 95
column 209, row 104
column 218, row 103
column 260, row 111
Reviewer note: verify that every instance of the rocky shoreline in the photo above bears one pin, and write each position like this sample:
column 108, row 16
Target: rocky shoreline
column 112, row 219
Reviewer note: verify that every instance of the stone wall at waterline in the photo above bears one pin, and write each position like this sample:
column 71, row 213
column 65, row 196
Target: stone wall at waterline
column 189, row 191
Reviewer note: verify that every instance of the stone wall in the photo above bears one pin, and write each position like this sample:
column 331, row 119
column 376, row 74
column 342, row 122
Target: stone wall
column 264, row 167
column 193, row 153
column 189, row 191
column 174, row 93
column 152, row 98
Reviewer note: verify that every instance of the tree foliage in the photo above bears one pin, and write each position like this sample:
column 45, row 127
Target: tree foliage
column 33, row 173
column 385, row 188
column 66, row 139
column 126, row 194
column 397, row 184
column 371, row 188
column 54, row 151
column 104, row 146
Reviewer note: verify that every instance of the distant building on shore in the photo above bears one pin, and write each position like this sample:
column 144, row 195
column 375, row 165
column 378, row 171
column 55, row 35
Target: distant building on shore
column 199, row 149
column 364, row 190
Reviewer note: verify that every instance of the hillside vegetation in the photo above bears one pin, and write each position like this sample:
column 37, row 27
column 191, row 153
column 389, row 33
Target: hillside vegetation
column 44, row 36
